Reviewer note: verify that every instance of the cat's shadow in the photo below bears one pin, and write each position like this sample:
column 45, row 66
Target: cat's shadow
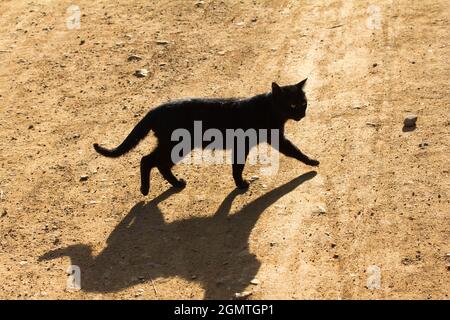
column 213, row 250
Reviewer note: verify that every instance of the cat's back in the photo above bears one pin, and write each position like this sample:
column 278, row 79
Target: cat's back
column 198, row 108
column 212, row 112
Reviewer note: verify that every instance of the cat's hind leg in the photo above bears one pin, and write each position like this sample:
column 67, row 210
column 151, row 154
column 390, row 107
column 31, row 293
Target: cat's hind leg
column 166, row 172
column 147, row 163
column 165, row 164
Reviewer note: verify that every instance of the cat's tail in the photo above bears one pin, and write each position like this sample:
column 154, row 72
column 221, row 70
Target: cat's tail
column 136, row 135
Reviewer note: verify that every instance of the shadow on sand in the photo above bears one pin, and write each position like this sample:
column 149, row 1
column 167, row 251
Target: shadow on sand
column 143, row 247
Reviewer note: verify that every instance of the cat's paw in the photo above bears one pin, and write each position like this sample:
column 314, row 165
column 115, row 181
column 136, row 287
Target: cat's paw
column 181, row 183
column 312, row 162
column 145, row 190
column 244, row 184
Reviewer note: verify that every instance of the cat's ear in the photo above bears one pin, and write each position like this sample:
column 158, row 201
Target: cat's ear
column 276, row 90
column 301, row 84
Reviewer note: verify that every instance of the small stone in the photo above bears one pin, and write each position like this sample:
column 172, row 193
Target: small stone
column 336, row 256
column 162, row 42
column 410, row 121
column 141, row 73
column 22, row 263
column 320, row 210
column 30, row 126
column 139, row 293
column 82, row 42
column 255, row 282
column 84, row 177
column 199, row 3
column 134, row 57
column 254, row 178
column 194, row 277
column 76, row 136
column 374, row 65
column 4, row 213
column 221, row 53
column 423, row 145
column 407, row 261
column 264, row 186
column 242, row 295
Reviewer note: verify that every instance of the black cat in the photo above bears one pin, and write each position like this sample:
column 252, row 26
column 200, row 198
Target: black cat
column 265, row 111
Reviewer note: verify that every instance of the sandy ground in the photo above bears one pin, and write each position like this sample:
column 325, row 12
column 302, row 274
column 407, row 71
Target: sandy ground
column 378, row 201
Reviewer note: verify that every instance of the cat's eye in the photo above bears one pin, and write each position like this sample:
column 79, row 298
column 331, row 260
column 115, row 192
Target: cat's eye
column 293, row 106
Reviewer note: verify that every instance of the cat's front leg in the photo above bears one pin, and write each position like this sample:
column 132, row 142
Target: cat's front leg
column 287, row 148
column 240, row 182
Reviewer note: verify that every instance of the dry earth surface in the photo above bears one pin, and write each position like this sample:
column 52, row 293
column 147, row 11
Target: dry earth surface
column 377, row 199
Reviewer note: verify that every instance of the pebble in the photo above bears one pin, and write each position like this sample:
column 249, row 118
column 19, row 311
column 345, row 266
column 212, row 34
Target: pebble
column 141, row 73
column 320, row 210
column 162, row 42
column 242, row 295
column 4, row 213
column 22, row 263
column 82, row 42
column 84, row 177
column 133, row 57
column 255, row 282
column 423, row 145
column 410, row 121
column 254, row 178
column 139, row 292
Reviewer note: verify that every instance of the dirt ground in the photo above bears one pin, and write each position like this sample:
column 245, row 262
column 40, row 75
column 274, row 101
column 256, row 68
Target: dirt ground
column 378, row 201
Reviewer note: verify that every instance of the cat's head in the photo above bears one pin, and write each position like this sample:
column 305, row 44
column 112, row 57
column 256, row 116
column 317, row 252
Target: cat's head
column 290, row 101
